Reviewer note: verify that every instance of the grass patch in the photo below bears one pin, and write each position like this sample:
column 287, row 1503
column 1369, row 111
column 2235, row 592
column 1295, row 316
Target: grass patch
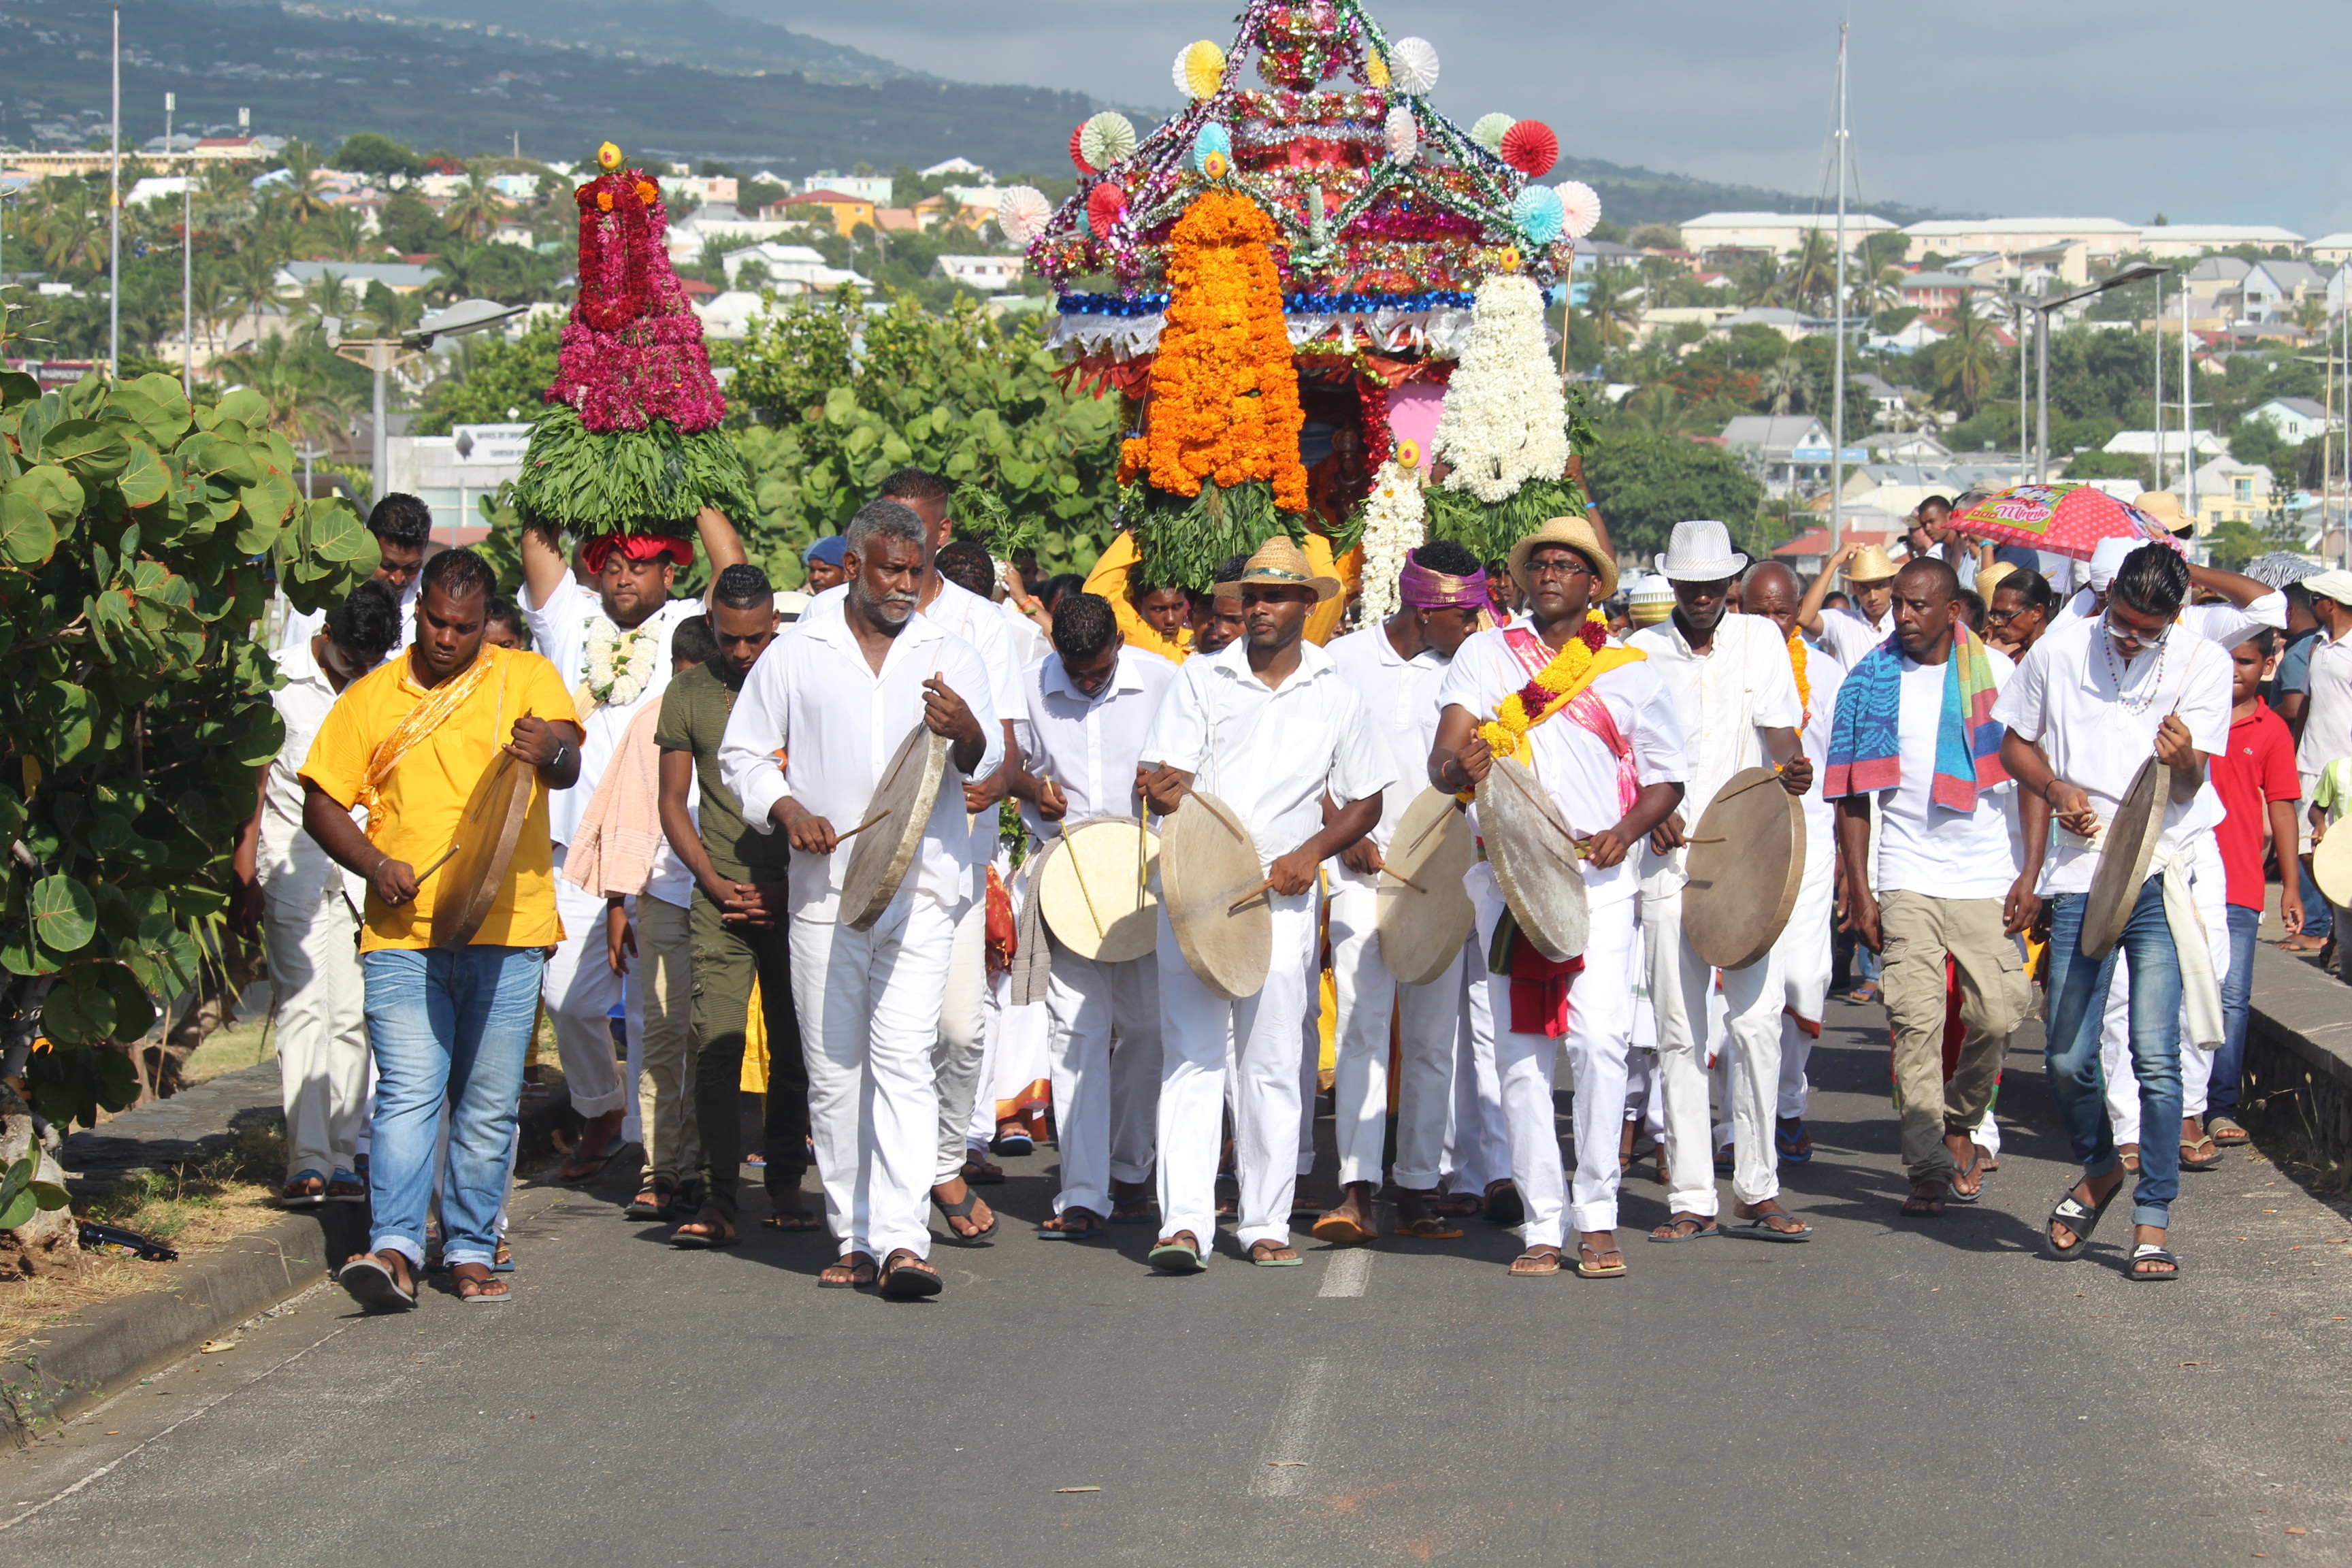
column 247, row 1043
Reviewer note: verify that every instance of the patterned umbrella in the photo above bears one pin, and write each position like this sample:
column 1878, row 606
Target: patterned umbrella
column 2278, row 568
column 2067, row 519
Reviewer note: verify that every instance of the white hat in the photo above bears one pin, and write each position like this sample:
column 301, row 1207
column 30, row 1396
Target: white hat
column 1700, row 551
column 2107, row 559
column 2334, row 584
column 1652, row 601
column 791, row 604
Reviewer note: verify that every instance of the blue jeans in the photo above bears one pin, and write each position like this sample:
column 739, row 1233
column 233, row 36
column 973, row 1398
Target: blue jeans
column 2318, row 914
column 2237, row 1000
column 2078, row 990
column 450, row 1023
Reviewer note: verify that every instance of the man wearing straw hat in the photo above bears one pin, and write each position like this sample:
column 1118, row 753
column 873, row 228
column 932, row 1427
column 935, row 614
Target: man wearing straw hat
column 1735, row 694
column 1269, row 726
column 1396, row 667
column 1089, row 704
column 1850, row 634
column 1602, row 740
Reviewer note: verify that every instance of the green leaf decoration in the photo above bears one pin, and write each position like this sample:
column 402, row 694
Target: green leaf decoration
column 27, row 537
column 649, row 481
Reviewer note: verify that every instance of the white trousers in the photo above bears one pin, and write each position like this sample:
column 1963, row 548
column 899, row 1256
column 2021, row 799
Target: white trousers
column 1106, row 1057
column 580, row 992
column 1805, row 958
column 1681, row 985
column 959, row 1055
column 1193, row 1028
column 2209, row 887
column 323, row 1050
column 1600, row 1034
column 1478, row 1150
column 1428, row 1020
column 869, row 1013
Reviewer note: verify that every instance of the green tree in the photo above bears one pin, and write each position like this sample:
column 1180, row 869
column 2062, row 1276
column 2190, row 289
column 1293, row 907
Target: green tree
column 1645, row 484
column 477, row 211
column 494, row 381
column 304, row 190
column 370, row 153
column 1611, row 305
column 2234, row 543
column 134, row 536
column 1965, row 359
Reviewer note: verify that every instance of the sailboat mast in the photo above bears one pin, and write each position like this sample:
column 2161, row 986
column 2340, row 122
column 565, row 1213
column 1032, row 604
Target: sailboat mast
column 1837, row 376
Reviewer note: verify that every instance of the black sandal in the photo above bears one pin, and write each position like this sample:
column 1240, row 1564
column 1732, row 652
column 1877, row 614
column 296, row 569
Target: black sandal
column 955, row 1211
column 716, row 1237
column 653, row 1201
column 907, row 1278
column 373, row 1284
column 2070, row 1212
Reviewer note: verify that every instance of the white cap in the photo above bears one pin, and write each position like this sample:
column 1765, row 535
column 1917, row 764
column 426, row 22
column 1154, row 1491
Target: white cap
column 2335, row 583
column 2108, row 559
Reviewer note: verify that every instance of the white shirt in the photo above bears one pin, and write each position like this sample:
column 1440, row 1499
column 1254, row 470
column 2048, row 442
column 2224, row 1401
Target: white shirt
column 1271, row 754
column 1849, row 634
column 1090, row 746
column 1825, row 675
column 2065, row 698
column 839, row 721
column 2328, row 717
column 1401, row 696
column 558, row 629
column 289, row 863
column 1928, row 848
column 300, row 626
column 1724, row 699
column 1572, row 762
column 668, row 879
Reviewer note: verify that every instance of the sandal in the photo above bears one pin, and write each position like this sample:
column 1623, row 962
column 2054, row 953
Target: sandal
column 1013, row 1143
column 794, row 1220
column 374, row 1284
column 2070, row 1212
column 1427, row 1227
column 1177, row 1253
column 1505, row 1207
column 707, row 1231
column 303, row 1190
column 1862, row 995
column 979, row 1172
column 1684, row 1227
column 502, row 1261
column 962, row 1211
column 346, row 1187
column 1591, row 1262
column 482, row 1289
column 1796, row 1148
column 2225, row 1131
column 2129, row 1154
column 1536, row 1263
column 1136, row 1210
column 1076, row 1223
column 1456, row 1206
column 1269, row 1254
column 1758, row 1227
column 1926, row 1202
column 1344, row 1230
column 850, row 1271
column 1975, row 1167
column 2150, row 1252
column 907, row 1278
column 2192, row 1161
column 653, row 1200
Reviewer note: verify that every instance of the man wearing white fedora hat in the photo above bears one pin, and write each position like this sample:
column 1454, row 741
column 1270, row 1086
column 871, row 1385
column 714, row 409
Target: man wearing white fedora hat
column 1736, row 695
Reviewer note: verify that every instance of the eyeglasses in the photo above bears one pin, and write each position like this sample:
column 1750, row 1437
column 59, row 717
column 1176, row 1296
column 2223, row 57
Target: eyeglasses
column 1560, row 566
column 2131, row 636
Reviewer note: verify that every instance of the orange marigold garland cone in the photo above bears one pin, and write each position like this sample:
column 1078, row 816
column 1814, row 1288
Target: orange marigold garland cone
column 629, row 442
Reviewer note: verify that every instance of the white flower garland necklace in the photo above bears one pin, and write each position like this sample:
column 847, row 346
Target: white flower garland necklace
column 619, row 664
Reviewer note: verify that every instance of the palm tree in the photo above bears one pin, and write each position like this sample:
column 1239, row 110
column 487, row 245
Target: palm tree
column 1658, row 409
column 302, row 406
column 1966, row 358
column 388, row 314
column 1611, row 308
column 1757, row 280
column 1810, row 278
column 328, row 295
column 1788, row 383
column 304, row 190
column 1867, row 295
column 68, row 225
column 253, row 284
column 477, row 211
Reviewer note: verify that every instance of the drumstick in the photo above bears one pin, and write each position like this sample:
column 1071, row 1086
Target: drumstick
column 1408, row 881
column 1435, row 823
column 1235, row 907
column 1142, row 844
column 1080, row 873
column 844, row 837
column 437, row 862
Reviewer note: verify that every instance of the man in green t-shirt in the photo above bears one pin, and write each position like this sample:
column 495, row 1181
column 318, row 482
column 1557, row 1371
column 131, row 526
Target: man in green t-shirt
column 739, row 930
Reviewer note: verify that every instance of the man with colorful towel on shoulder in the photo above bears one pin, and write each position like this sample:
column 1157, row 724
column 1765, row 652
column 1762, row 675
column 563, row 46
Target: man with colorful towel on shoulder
column 1593, row 721
column 1914, row 730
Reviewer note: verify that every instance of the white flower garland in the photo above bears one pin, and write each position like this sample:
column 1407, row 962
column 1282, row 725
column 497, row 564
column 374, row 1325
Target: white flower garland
column 619, row 664
column 1505, row 420
column 1395, row 523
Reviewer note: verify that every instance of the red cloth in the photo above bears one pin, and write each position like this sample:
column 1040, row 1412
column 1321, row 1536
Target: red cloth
column 1539, row 989
column 2258, row 768
column 1002, row 933
column 635, row 547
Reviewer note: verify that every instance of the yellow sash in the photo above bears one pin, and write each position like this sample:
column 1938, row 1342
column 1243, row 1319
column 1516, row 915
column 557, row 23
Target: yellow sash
column 421, row 720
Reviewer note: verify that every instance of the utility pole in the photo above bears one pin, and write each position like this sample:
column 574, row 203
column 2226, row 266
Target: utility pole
column 114, row 220
column 2041, row 398
column 187, row 256
column 1837, row 374
column 2159, row 381
column 2187, row 413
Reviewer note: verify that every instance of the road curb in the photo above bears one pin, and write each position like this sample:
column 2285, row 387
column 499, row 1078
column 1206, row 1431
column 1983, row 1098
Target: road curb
column 57, row 1373
column 2299, row 1050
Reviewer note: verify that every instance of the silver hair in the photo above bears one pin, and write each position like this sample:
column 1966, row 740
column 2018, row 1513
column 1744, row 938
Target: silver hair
column 883, row 519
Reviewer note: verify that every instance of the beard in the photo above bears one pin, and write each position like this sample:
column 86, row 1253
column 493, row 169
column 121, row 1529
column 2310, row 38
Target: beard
column 888, row 612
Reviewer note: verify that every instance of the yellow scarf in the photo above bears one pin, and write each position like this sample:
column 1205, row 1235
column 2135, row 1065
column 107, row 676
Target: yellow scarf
column 421, row 720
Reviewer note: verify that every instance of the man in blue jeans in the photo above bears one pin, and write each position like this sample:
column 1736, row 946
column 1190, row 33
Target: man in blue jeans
column 409, row 743
column 2092, row 702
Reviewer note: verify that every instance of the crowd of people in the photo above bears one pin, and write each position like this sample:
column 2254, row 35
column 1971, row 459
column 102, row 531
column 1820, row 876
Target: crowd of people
column 687, row 777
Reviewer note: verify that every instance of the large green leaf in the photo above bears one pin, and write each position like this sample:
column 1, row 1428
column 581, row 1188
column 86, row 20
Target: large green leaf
column 155, row 404
column 145, row 480
column 335, row 531
column 16, row 387
column 27, row 537
column 214, row 458
column 66, row 710
column 90, row 449
column 75, row 1017
column 64, row 914
column 245, row 406
column 54, row 490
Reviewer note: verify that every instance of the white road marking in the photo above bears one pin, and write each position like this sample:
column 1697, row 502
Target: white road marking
column 1346, row 1273
column 1282, row 1469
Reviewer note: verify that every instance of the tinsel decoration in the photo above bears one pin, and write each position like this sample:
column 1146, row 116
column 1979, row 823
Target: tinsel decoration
column 1412, row 66
column 1530, row 147
column 1505, row 420
column 1489, row 129
column 1394, row 524
column 1580, row 208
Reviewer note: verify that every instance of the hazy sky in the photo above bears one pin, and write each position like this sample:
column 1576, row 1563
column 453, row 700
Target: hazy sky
column 2210, row 112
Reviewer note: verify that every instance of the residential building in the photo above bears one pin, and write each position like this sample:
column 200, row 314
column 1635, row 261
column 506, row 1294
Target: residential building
column 1718, row 235
column 2330, row 249
column 2142, row 443
column 872, row 189
column 1810, row 550
column 687, row 239
column 981, row 199
column 986, row 273
column 2271, row 290
column 1936, row 293
column 400, row 276
column 1793, row 448
column 2296, row 419
column 957, row 166
column 1790, row 324
column 729, row 315
column 1906, row 446
column 2103, row 239
column 702, row 190
column 790, row 268
column 2167, row 242
column 844, row 212
column 2231, row 491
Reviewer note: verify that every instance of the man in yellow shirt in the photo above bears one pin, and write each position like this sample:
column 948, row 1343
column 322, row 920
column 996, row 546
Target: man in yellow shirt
column 409, row 743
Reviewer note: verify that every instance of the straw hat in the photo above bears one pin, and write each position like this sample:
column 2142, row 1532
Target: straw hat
column 1871, row 563
column 1282, row 563
column 2165, row 506
column 1990, row 578
column 1578, row 535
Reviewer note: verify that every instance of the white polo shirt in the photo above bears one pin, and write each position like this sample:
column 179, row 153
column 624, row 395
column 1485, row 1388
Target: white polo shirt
column 1400, row 695
column 1271, row 754
column 2096, row 716
column 839, row 721
column 1090, row 746
column 2327, row 719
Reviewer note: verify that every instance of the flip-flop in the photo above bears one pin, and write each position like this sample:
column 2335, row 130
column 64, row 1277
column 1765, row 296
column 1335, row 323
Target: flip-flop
column 2225, row 1131
column 597, row 1163
column 1130, row 1211
column 1340, row 1231
column 1428, row 1227
column 2214, row 1163
column 374, row 1286
column 1534, row 1265
column 1975, row 1167
column 2150, row 1252
column 691, row 1242
column 480, row 1297
column 502, row 1259
column 907, row 1278
column 1014, row 1145
column 653, row 1201
column 354, row 1187
column 1796, row 1148
column 1710, row 1228
column 1292, row 1261
column 1596, row 1269
column 1098, row 1231
column 1456, row 1206
column 794, row 1220
column 1505, row 1207
column 853, row 1260
column 963, row 1211
column 1757, row 1229
column 1177, row 1254
column 286, row 1200
column 2069, row 1211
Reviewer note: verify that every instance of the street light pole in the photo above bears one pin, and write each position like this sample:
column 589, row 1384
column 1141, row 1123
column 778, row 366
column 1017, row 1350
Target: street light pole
column 114, row 220
column 1837, row 389
column 2043, row 309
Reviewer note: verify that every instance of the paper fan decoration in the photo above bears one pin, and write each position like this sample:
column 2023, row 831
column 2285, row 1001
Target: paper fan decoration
column 1579, row 206
column 1490, row 130
column 1106, row 138
column 1077, row 151
column 1200, row 70
column 1530, row 147
column 1213, row 142
column 1413, row 65
column 1403, row 134
column 1376, row 69
column 1105, row 204
column 1538, row 213
column 1022, row 213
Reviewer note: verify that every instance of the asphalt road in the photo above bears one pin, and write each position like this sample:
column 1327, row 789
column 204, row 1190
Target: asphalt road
column 1894, row 1392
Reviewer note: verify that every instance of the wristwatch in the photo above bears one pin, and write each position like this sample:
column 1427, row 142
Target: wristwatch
column 561, row 749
